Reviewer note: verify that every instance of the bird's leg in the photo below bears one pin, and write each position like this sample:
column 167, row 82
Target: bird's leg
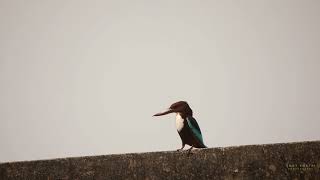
column 181, row 149
column 189, row 150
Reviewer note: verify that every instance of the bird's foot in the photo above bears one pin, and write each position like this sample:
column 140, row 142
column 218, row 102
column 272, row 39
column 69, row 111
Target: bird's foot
column 189, row 150
column 181, row 149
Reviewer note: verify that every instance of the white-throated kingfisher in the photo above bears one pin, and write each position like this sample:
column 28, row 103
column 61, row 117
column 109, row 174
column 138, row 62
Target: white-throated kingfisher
column 186, row 125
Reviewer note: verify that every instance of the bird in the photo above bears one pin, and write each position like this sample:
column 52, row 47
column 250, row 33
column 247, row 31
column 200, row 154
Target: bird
column 187, row 126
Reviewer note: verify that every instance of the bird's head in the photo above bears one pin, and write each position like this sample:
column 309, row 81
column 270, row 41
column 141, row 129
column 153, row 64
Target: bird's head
column 180, row 107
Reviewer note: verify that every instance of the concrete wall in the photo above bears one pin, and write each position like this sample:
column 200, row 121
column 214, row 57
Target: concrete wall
column 274, row 161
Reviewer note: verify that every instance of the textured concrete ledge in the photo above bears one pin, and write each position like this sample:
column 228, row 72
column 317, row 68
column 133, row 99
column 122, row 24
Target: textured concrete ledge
column 273, row 161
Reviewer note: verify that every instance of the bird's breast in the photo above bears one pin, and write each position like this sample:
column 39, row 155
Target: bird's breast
column 179, row 122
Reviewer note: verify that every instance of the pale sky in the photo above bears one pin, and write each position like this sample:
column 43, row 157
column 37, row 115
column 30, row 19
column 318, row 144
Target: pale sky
column 85, row 77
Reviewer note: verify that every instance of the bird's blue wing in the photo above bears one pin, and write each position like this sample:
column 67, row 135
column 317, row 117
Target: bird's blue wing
column 192, row 123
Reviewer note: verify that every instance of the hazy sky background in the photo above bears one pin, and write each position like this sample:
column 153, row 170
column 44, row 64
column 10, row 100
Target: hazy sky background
column 84, row 77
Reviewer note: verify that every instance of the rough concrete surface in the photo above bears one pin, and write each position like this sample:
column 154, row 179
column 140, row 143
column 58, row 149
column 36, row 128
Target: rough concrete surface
column 273, row 161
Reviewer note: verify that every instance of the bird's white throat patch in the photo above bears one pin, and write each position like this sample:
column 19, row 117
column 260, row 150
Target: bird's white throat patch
column 179, row 122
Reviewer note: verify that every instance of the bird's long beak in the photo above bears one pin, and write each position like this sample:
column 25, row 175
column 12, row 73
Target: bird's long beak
column 164, row 113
